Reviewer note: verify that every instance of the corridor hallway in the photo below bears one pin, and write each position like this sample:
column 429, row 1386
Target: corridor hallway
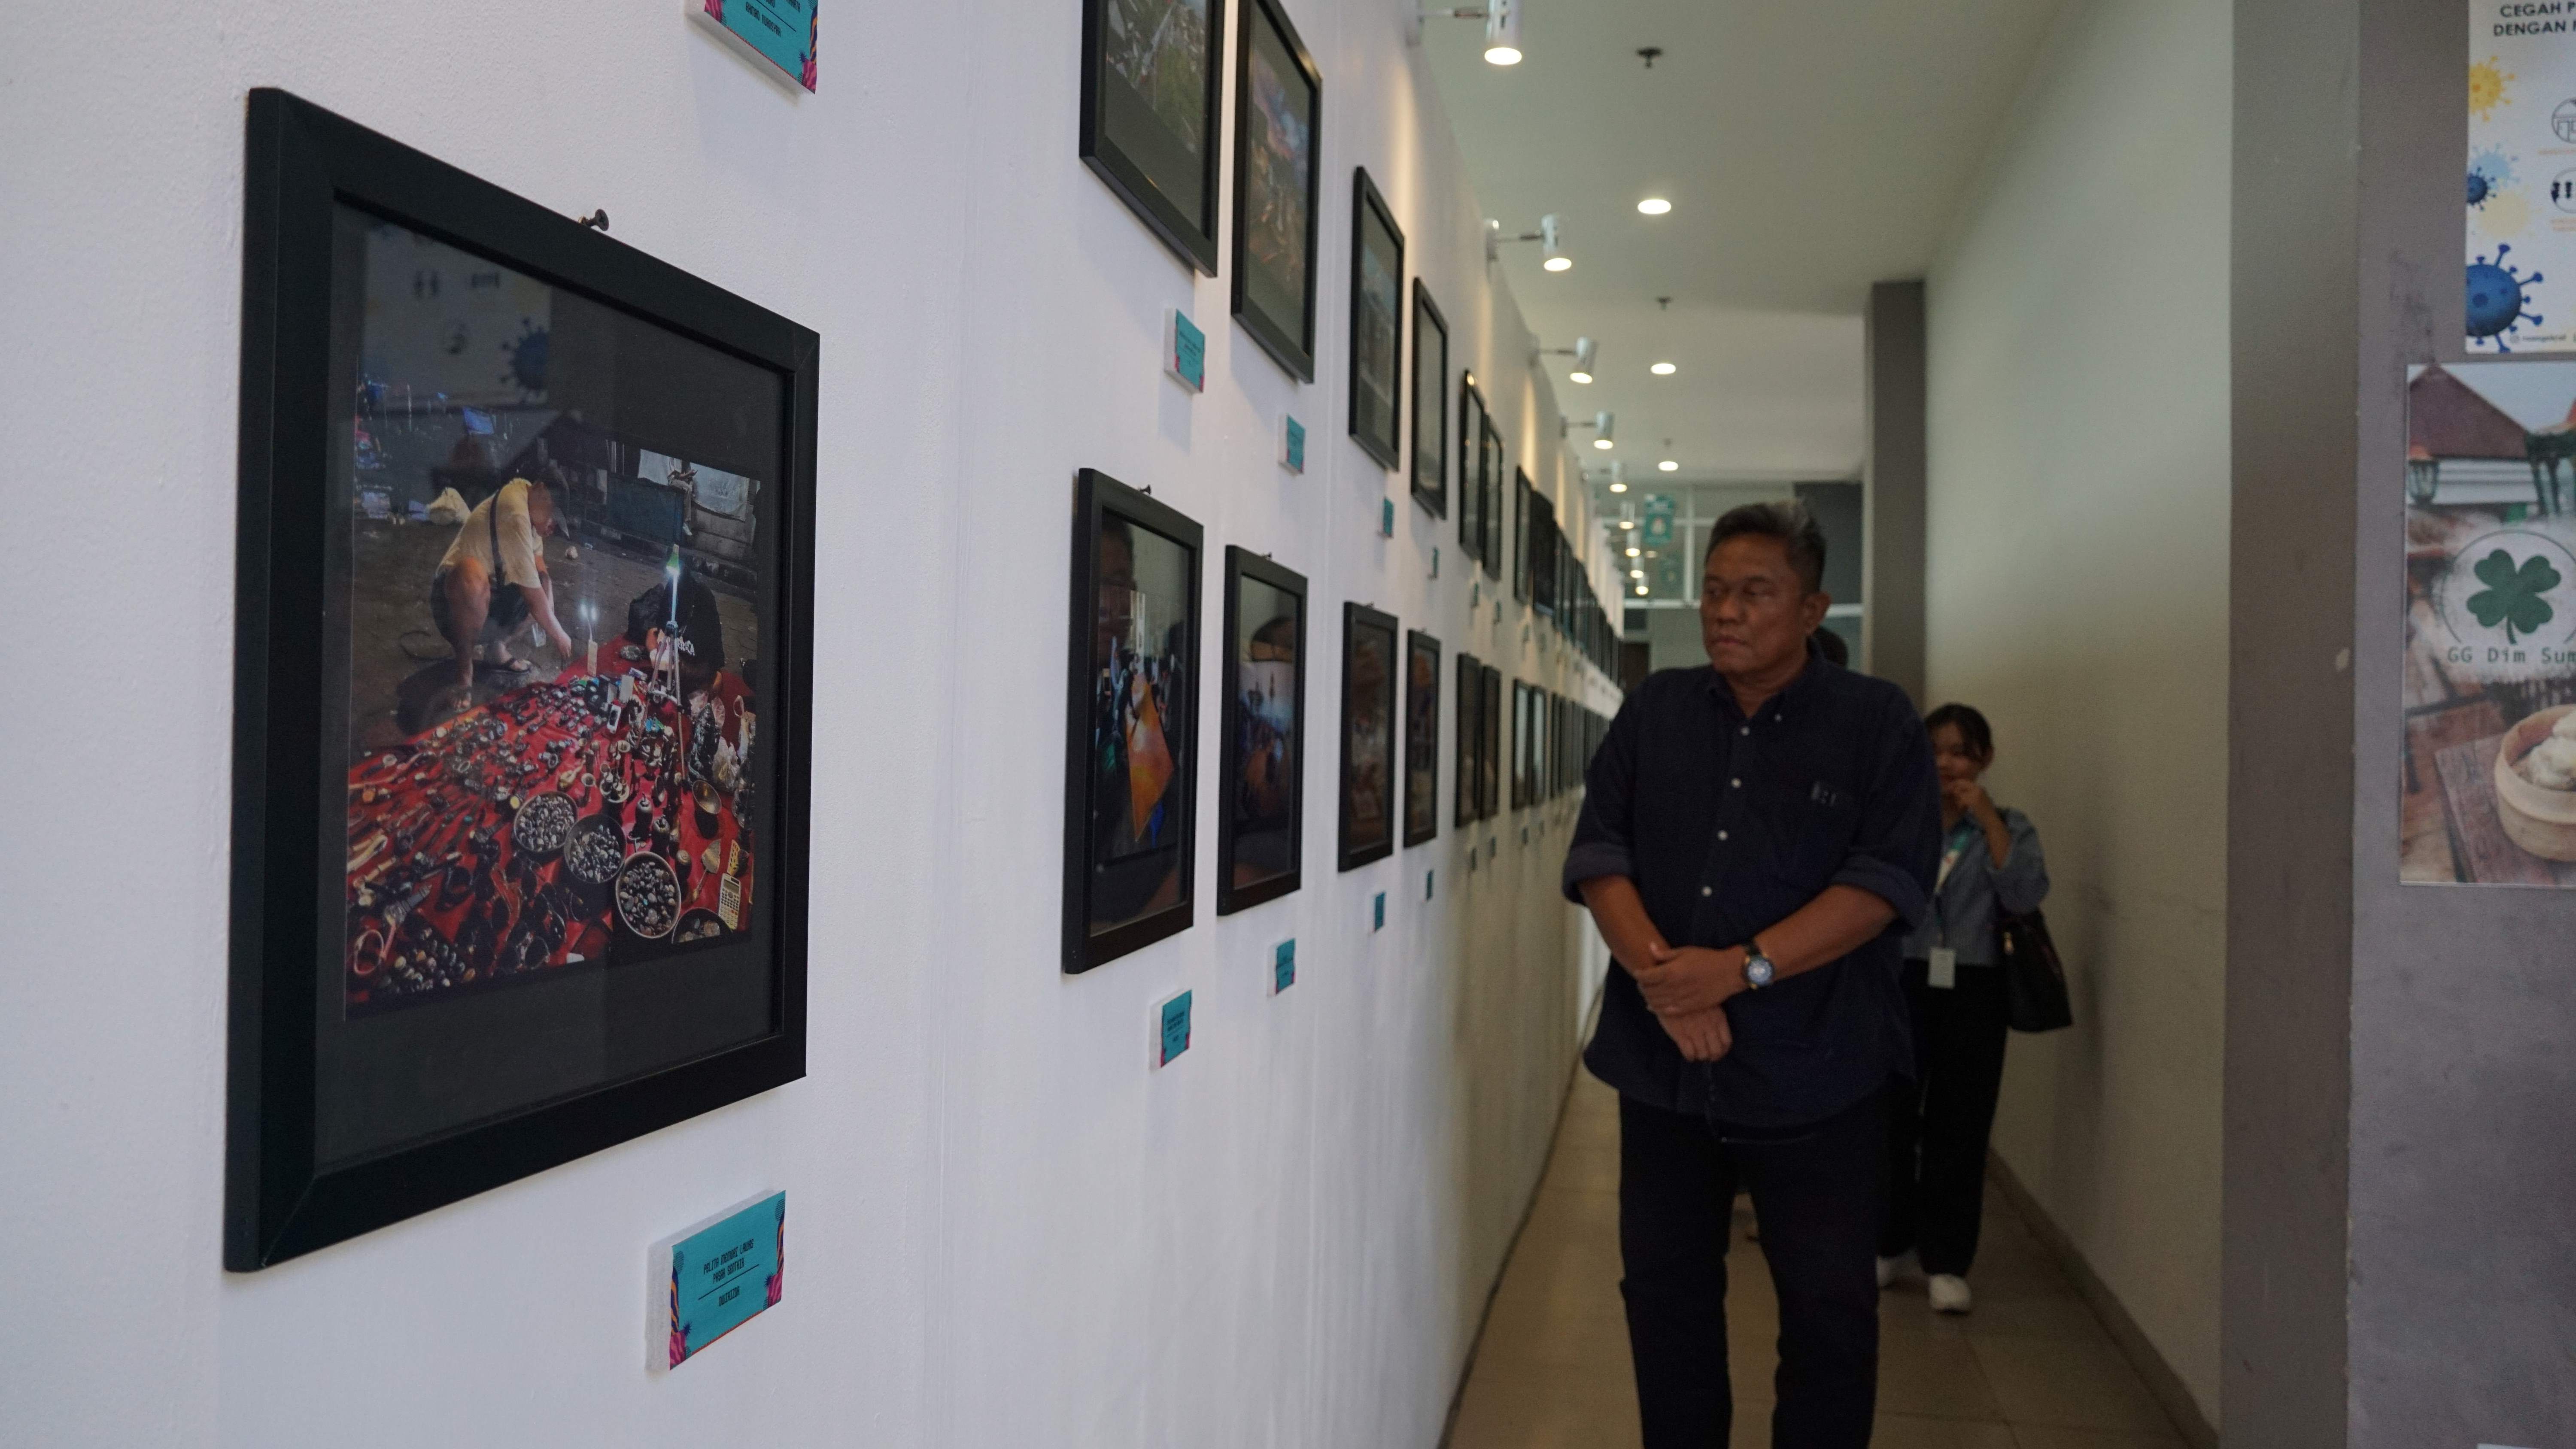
column 2031, row 1368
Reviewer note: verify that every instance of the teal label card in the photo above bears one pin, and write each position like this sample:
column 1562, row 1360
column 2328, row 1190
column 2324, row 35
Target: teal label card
column 1377, row 912
column 1292, row 445
column 781, row 32
column 1283, row 966
column 1172, row 1035
column 1386, row 518
column 724, row 1273
column 1185, row 353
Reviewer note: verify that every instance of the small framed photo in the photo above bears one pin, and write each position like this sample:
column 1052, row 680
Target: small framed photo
column 523, row 675
column 1489, row 498
column 1489, row 750
column 1430, row 462
column 1520, row 745
column 1421, row 737
column 1471, row 734
column 1151, row 74
column 1471, row 468
column 1519, row 541
column 1377, row 324
column 1369, row 673
column 1278, row 125
column 1260, row 818
column 1131, row 727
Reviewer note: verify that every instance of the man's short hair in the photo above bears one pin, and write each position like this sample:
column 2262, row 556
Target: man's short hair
column 1790, row 523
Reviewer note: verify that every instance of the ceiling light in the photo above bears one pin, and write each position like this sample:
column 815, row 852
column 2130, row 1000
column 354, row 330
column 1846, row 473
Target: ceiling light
column 1551, row 247
column 1604, row 426
column 1503, row 32
column 1586, row 352
column 1620, row 488
column 1636, row 573
column 1632, row 551
column 1602, row 443
column 1663, row 369
column 1627, row 523
column 1654, row 206
column 1641, row 591
column 1669, row 466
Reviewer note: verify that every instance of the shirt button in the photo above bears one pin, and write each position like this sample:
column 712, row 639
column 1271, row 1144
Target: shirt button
column 1748, row 729
column 1704, row 890
column 1735, row 784
column 1721, row 835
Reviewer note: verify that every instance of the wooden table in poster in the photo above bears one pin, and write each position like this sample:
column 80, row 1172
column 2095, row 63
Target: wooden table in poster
column 2484, row 854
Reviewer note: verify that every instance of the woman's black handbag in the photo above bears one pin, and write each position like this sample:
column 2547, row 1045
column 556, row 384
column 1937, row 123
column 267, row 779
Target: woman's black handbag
column 2034, row 977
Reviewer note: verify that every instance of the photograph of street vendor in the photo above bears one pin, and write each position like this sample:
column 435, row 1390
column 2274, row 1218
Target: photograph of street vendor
column 493, row 579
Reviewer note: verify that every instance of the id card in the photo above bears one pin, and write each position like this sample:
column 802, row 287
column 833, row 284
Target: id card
column 1945, row 968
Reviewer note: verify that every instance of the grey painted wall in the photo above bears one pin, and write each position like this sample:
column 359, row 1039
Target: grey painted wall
column 2462, row 1313
column 2290, row 712
column 1895, row 474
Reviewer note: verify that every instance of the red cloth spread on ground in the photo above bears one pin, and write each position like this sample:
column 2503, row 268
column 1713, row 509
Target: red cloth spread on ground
column 570, row 822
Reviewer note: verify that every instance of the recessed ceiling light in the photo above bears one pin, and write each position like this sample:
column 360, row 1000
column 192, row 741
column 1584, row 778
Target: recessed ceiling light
column 1669, row 466
column 1654, row 206
column 1663, row 369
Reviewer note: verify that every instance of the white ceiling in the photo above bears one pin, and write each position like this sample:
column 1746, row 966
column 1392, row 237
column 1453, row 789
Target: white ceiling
column 1808, row 150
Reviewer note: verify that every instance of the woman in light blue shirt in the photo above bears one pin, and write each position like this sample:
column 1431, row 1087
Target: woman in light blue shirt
column 1991, row 866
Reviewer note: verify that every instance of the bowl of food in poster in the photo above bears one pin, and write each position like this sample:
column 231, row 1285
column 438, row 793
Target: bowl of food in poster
column 542, row 826
column 648, row 896
column 698, row 925
column 595, row 851
column 2535, row 783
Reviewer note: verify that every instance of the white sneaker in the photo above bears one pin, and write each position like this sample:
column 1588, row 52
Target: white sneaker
column 1950, row 1294
column 1887, row 1270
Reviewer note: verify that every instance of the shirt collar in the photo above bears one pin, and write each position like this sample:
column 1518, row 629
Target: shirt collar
column 1795, row 693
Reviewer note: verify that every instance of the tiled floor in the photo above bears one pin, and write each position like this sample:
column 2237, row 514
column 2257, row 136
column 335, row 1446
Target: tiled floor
column 2031, row 1368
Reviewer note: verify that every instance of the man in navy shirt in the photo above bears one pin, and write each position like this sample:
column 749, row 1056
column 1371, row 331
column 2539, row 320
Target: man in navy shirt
column 1756, row 839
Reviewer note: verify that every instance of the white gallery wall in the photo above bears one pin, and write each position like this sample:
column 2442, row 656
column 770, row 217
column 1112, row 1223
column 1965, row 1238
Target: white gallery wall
column 1004, row 1228
column 2077, row 593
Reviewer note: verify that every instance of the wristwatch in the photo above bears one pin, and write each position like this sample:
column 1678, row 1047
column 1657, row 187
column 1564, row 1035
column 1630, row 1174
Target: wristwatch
column 1758, row 970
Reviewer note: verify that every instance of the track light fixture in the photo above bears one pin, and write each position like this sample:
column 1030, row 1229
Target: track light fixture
column 1502, row 27
column 1585, row 352
column 1603, row 427
column 1551, row 247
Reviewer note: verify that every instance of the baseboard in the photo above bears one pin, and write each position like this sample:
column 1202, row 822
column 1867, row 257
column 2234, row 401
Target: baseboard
column 2134, row 1345
column 1485, row 1315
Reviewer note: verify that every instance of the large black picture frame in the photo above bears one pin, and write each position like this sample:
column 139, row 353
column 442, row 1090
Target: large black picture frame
column 1519, row 541
column 1472, row 427
column 1099, row 498
column 1362, row 623
column 1489, row 503
column 1489, row 751
column 1429, row 468
column 282, row 1197
column 1290, row 342
column 1192, row 235
column 1421, row 734
column 1469, row 807
column 1381, row 439
column 1242, row 564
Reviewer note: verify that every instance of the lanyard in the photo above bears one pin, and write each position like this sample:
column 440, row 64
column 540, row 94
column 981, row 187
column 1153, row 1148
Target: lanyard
column 1962, row 836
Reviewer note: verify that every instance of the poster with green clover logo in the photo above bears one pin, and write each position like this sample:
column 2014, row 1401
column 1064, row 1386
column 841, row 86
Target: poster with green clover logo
column 2489, row 777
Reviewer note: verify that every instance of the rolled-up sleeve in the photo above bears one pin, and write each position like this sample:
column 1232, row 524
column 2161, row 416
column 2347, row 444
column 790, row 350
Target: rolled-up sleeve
column 2021, row 882
column 1603, row 833
column 1897, row 846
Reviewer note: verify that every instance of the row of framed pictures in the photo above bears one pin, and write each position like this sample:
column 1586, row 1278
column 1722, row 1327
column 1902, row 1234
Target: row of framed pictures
column 1131, row 729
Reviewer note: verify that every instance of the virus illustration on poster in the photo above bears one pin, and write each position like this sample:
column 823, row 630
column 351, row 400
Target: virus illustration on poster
column 2490, row 174
column 2496, row 294
column 525, row 357
column 2488, row 81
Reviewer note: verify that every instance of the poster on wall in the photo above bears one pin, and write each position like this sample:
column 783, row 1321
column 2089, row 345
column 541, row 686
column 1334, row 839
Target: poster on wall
column 1471, row 468
column 1430, row 403
column 2521, row 194
column 2489, row 775
column 1279, row 100
column 1421, row 737
column 1132, row 760
column 784, row 33
column 1150, row 72
column 1467, row 808
column 1260, row 820
column 1377, row 323
column 523, row 646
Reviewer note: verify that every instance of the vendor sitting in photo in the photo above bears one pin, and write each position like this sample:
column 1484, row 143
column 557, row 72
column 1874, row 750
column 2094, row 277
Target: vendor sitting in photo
column 684, row 611
column 503, row 536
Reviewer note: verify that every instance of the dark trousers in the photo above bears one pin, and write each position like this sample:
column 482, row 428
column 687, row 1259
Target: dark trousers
column 1818, row 1197
column 1936, row 1137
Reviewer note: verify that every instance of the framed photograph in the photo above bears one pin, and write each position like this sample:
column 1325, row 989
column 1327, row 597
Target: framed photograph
column 1471, row 470
column 1130, row 728
column 1278, row 125
column 1520, row 744
column 1540, row 545
column 1519, row 542
column 1430, row 404
column 1489, row 751
column 1377, row 324
column 1151, row 73
column 1489, row 506
column 1259, row 821
column 1471, row 735
column 1369, row 673
column 523, row 680
column 1421, row 737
